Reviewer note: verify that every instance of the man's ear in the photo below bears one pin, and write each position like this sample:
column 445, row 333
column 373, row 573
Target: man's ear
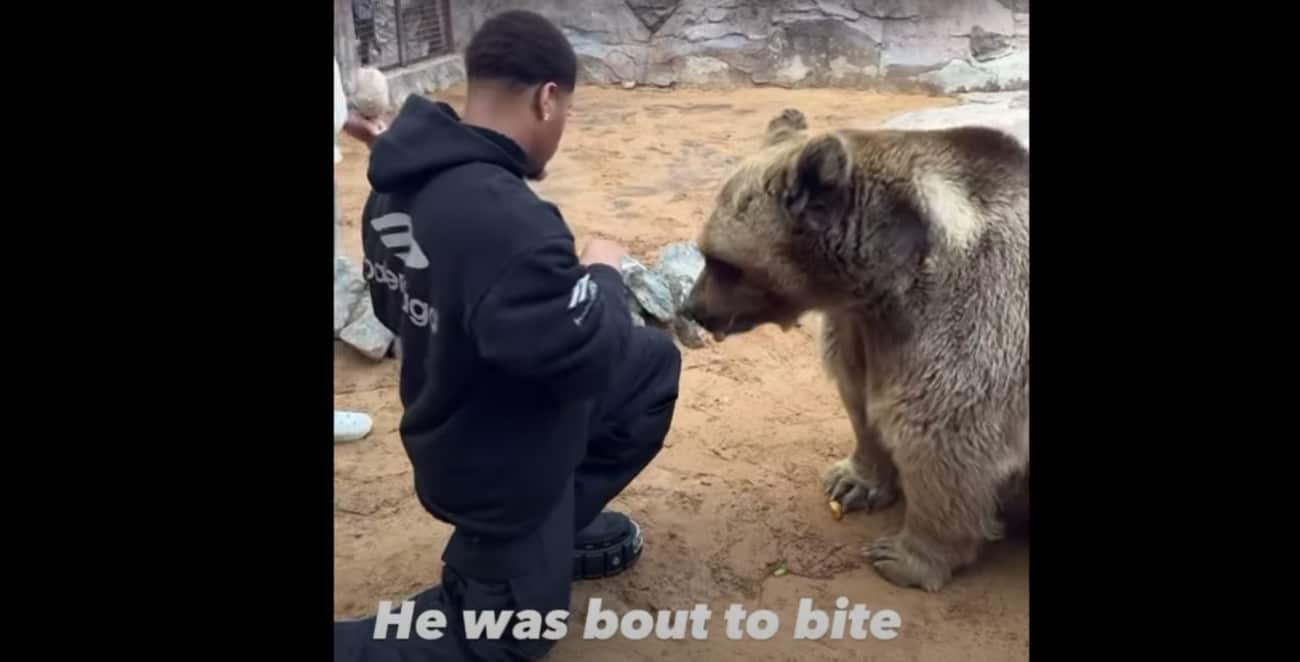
column 546, row 103
column 820, row 181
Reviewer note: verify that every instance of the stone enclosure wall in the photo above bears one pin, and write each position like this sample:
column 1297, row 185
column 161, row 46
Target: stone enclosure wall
column 943, row 45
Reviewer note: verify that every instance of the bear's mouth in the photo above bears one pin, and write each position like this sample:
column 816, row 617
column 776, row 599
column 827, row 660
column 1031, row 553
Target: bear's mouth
column 721, row 333
column 736, row 325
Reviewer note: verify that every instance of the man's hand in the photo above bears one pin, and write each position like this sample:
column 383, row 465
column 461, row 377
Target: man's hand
column 603, row 251
column 365, row 130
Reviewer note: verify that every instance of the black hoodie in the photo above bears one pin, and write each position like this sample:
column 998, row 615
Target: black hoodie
column 506, row 339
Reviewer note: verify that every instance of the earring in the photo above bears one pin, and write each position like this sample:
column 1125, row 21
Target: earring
column 546, row 117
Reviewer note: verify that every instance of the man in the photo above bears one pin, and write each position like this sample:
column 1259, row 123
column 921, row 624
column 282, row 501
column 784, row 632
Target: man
column 350, row 425
column 530, row 399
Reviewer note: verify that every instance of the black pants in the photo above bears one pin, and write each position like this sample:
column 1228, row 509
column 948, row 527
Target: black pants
column 535, row 572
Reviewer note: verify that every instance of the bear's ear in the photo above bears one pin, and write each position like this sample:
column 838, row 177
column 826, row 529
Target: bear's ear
column 784, row 126
column 819, row 182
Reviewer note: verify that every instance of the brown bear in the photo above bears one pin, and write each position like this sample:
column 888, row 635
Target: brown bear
column 914, row 247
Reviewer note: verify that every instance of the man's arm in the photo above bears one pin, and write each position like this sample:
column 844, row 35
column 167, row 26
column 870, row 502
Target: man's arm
column 348, row 120
column 365, row 130
column 554, row 319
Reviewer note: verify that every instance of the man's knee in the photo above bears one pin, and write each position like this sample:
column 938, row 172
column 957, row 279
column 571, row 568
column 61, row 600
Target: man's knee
column 659, row 400
column 664, row 360
column 639, row 406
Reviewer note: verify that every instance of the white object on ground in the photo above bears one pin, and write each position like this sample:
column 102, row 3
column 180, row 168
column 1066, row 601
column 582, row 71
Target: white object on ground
column 351, row 426
column 365, row 333
column 349, row 288
column 1005, row 111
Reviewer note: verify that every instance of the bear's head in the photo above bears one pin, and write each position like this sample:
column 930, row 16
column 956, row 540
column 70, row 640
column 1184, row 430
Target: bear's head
column 809, row 222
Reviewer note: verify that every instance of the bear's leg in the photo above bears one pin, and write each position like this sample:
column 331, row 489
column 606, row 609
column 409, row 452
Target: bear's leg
column 952, row 509
column 867, row 478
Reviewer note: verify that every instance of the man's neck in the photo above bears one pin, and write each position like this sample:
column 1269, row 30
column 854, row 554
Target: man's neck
column 489, row 111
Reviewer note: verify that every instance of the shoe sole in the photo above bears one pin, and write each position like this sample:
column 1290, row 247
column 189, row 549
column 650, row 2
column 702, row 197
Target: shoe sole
column 589, row 564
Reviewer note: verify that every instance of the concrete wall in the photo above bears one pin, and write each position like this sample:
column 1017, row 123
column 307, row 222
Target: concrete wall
column 950, row 45
column 943, row 45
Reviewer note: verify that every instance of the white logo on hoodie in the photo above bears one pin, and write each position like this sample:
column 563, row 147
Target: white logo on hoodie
column 402, row 242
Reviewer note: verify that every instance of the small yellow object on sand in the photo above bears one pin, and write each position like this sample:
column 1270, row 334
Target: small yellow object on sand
column 780, row 572
column 837, row 509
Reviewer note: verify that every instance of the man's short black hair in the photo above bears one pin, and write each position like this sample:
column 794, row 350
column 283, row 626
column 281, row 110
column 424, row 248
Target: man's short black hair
column 521, row 48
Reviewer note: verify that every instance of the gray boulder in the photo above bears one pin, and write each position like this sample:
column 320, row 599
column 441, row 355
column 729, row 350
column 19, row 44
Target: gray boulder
column 348, row 288
column 365, row 333
column 680, row 265
column 354, row 318
column 658, row 294
column 649, row 289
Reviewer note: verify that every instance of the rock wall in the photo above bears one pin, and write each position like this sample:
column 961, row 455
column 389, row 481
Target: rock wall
column 948, row 45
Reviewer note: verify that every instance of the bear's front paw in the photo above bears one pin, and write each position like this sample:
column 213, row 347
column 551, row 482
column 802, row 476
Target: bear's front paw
column 854, row 491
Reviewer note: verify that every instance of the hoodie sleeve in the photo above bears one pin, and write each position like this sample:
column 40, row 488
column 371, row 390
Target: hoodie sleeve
column 551, row 319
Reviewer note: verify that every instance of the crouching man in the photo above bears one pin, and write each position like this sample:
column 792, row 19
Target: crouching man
column 530, row 399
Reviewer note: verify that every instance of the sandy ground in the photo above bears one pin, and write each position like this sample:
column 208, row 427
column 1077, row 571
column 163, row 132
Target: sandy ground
column 736, row 492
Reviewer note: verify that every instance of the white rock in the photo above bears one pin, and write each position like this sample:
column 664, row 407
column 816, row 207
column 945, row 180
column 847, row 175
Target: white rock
column 650, row 290
column 348, row 290
column 960, row 76
column 1005, row 111
column 680, row 266
column 1007, row 72
column 365, row 333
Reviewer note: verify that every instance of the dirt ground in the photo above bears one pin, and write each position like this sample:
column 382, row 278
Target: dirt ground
column 736, row 492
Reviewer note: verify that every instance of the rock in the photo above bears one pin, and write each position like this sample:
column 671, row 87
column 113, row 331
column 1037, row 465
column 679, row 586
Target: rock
column 985, row 46
column 653, row 13
column 792, row 43
column 366, row 334
column 960, row 76
column 679, row 266
column 1006, row 111
column 634, row 306
column 681, row 259
column 608, row 65
column 348, row 290
column 1011, row 71
column 354, row 318
column 658, row 294
column 650, row 290
column 889, row 9
column 629, row 84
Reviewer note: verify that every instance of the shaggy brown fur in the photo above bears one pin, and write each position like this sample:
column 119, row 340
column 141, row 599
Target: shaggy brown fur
column 915, row 247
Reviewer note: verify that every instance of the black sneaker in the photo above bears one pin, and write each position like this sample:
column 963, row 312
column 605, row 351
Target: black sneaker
column 606, row 547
